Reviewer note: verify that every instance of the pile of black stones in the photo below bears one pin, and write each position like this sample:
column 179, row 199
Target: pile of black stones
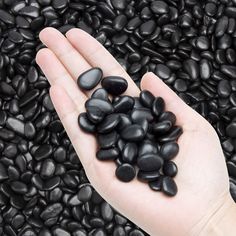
column 132, row 131
column 189, row 44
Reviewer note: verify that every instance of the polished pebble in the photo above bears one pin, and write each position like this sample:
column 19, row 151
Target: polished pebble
column 90, row 79
column 107, row 140
column 170, row 169
column 129, row 153
column 162, row 71
column 169, row 186
column 133, row 133
column 146, row 98
column 156, row 184
column 108, row 124
column 149, row 162
column 85, row 124
column 107, row 154
column 148, row 175
column 169, row 150
column 103, row 105
column 125, row 172
column 114, row 85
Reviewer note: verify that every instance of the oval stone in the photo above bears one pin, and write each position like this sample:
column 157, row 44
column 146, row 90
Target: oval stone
column 114, row 85
column 90, row 79
column 149, row 162
column 125, row 172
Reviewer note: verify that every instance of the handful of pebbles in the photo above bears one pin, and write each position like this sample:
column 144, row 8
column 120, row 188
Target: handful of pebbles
column 135, row 132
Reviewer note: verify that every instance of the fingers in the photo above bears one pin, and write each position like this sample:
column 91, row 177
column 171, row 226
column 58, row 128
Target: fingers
column 98, row 56
column 65, row 52
column 175, row 104
column 57, row 74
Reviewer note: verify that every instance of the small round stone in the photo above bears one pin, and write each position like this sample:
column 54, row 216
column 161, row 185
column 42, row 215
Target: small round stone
column 115, row 85
column 169, row 186
column 125, row 172
column 90, row 79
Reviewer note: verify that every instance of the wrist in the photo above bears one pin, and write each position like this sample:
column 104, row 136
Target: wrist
column 222, row 221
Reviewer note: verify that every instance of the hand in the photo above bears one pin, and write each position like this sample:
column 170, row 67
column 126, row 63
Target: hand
column 202, row 179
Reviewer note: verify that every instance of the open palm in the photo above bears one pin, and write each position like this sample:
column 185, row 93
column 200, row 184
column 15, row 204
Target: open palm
column 202, row 179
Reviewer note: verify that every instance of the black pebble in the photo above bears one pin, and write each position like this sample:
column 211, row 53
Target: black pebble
column 114, row 85
column 107, row 140
column 103, row 105
column 156, row 184
column 94, row 114
column 163, row 71
column 90, row 79
column 229, row 70
column 129, row 153
column 159, row 7
column 170, row 169
column 108, row 124
column 107, row 154
column 149, row 162
column 123, row 104
column 158, row 106
column 169, row 186
column 125, row 172
column 169, row 150
column 148, row 175
column 133, row 133
column 146, row 98
column 100, row 93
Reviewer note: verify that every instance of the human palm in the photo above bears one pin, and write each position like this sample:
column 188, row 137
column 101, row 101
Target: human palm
column 202, row 179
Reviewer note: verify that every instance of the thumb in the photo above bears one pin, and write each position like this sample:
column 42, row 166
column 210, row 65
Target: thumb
column 174, row 103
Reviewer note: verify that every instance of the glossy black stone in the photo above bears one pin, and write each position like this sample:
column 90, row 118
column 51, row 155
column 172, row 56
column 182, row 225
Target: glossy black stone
column 202, row 43
column 94, row 114
column 156, row 184
column 146, row 98
column 163, row 71
column 158, row 106
column 159, row 7
column 90, row 79
column 114, row 85
column 123, row 104
column 108, row 124
column 231, row 130
column 103, row 105
column 192, row 69
column 107, row 140
column 161, row 127
column 221, row 26
column 125, row 172
column 147, row 28
column 169, row 150
column 167, row 116
column 141, row 114
column 148, row 175
column 85, row 124
column 43, row 152
column 170, row 169
column 229, row 71
column 133, row 133
column 100, row 93
column 169, row 186
column 149, row 162
column 6, row 17
column 107, row 154
column 224, row 88
column 147, row 147
column 129, row 153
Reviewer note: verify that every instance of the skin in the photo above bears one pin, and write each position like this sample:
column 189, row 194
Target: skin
column 203, row 186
